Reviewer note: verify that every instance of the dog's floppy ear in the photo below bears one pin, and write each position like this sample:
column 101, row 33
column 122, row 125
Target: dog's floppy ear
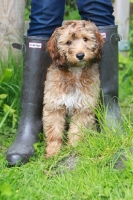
column 52, row 48
column 98, row 50
column 99, row 40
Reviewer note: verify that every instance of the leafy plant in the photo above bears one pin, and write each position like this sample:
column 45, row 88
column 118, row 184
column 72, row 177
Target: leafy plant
column 27, row 9
column 71, row 11
column 10, row 83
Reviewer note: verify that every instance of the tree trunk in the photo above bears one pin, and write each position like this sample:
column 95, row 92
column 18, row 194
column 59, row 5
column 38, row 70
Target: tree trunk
column 11, row 26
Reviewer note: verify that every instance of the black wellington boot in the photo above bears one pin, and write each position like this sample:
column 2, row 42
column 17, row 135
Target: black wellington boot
column 109, row 75
column 36, row 62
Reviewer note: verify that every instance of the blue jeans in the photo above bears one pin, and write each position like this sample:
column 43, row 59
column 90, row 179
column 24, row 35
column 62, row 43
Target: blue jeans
column 46, row 15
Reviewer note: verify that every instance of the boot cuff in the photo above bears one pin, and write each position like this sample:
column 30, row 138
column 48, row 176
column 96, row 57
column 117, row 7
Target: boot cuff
column 107, row 27
column 35, row 37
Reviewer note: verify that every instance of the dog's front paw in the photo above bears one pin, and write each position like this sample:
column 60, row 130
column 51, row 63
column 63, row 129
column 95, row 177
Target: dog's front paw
column 52, row 149
column 74, row 138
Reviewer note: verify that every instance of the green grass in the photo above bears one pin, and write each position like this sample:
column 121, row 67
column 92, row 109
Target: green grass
column 93, row 178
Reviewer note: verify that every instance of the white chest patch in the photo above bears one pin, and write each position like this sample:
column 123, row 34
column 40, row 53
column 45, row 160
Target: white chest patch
column 74, row 99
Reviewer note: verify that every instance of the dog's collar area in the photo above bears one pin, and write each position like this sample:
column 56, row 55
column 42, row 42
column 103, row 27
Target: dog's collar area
column 63, row 68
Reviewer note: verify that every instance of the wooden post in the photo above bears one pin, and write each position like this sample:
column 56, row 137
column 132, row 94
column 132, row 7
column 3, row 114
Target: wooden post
column 121, row 13
column 11, row 26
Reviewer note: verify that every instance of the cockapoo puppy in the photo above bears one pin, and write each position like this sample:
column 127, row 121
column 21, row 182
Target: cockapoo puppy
column 72, row 84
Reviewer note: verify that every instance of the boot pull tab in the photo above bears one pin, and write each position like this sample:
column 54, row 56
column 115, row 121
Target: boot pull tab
column 115, row 38
column 18, row 46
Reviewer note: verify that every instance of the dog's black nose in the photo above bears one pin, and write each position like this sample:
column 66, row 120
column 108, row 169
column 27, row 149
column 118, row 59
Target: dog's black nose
column 80, row 56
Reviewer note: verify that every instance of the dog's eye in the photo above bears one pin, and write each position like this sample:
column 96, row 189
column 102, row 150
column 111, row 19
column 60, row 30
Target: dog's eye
column 68, row 42
column 85, row 39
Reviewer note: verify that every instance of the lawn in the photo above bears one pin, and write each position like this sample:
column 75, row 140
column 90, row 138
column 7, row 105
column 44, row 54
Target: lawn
column 93, row 175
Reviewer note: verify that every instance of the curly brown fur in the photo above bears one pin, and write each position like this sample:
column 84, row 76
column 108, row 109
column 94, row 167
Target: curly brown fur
column 72, row 85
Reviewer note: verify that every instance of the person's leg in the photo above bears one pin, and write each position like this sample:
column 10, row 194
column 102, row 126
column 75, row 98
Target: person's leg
column 45, row 17
column 97, row 11
column 100, row 12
